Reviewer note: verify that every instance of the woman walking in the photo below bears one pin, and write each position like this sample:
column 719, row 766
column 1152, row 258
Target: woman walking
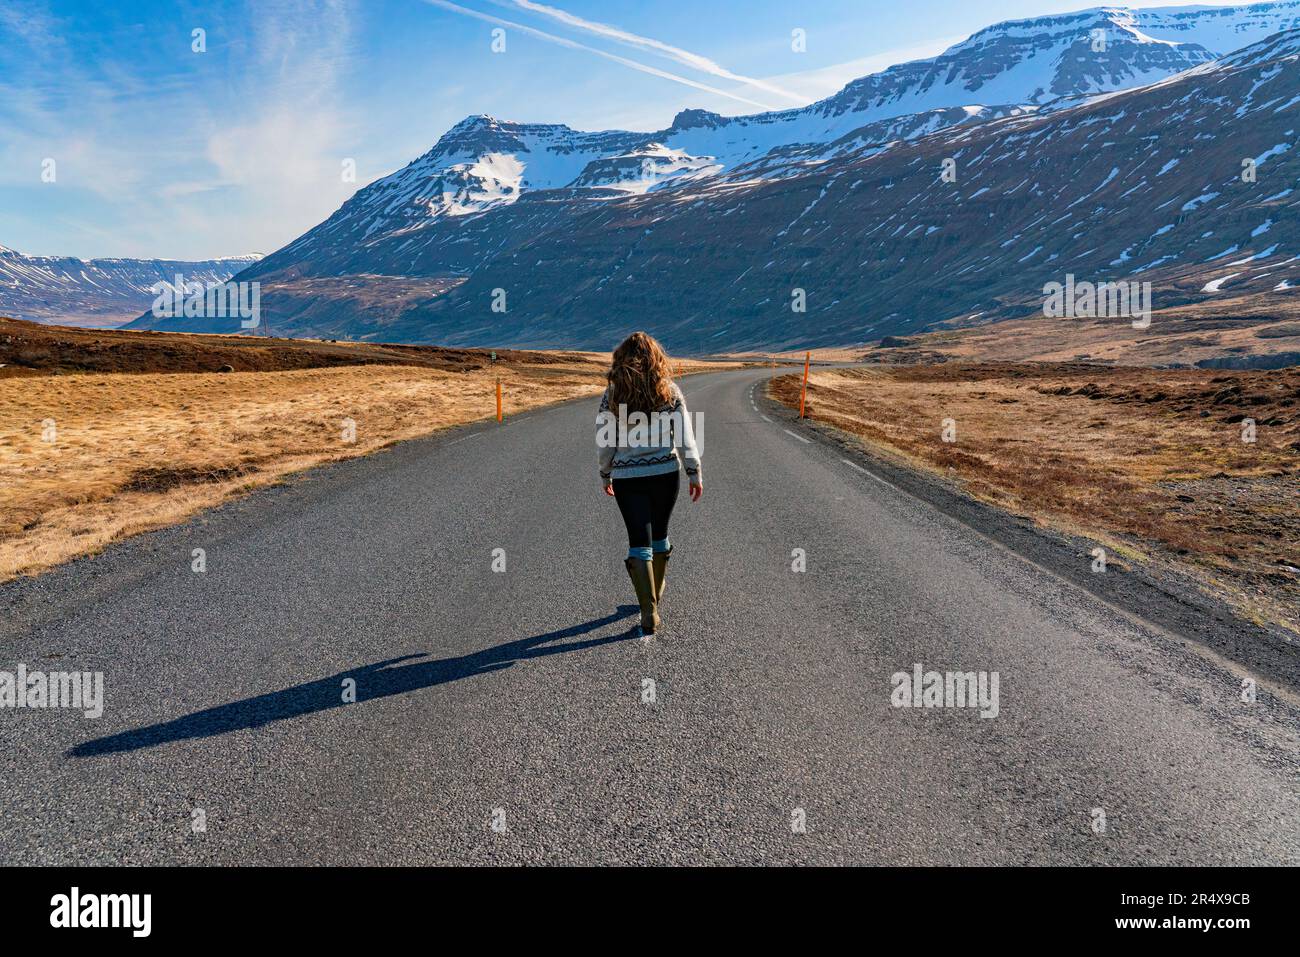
column 643, row 437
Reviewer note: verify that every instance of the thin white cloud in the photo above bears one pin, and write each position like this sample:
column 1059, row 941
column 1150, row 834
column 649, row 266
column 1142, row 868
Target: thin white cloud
column 256, row 161
column 685, row 57
column 283, row 155
column 574, row 45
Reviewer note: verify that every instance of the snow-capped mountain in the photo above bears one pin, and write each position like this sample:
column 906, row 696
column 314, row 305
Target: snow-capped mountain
column 482, row 163
column 570, row 211
column 95, row 292
column 1143, row 185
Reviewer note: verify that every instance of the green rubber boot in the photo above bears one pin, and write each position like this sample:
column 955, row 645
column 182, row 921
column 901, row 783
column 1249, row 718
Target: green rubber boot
column 661, row 571
column 639, row 570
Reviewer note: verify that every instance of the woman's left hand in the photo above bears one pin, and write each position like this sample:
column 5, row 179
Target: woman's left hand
column 697, row 491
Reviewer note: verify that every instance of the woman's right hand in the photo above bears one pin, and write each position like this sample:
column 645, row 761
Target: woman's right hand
column 609, row 488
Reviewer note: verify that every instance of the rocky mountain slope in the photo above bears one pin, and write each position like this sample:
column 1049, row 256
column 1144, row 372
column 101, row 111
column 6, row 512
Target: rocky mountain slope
column 720, row 218
column 95, row 292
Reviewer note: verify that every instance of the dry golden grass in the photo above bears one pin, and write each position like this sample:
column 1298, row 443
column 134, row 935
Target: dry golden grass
column 1150, row 461
column 136, row 452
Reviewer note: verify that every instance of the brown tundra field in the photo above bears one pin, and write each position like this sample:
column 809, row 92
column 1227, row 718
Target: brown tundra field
column 105, row 434
column 1197, row 468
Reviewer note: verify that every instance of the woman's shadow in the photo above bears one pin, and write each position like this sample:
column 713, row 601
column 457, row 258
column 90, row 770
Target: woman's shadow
column 378, row 680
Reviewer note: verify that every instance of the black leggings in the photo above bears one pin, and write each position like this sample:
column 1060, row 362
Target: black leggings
column 647, row 504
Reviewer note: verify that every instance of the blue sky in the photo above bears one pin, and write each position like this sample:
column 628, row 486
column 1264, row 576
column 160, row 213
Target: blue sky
column 164, row 152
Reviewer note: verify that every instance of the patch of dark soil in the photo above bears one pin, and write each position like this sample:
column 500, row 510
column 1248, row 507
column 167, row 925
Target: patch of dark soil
column 164, row 478
column 30, row 348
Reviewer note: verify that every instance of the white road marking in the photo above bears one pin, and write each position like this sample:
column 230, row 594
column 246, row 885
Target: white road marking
column 766, row 419
column 854, row 465
column 799, row 437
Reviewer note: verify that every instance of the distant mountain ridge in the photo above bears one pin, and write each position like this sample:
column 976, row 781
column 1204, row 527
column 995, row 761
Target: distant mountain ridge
column 107, row 292
column 492, row 191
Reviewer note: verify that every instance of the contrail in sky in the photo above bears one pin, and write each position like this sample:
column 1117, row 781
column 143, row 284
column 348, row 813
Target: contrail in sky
column 685, row 57
column 574, row 45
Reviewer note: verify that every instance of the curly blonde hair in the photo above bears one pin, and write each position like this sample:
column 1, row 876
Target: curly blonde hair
column 641, row 375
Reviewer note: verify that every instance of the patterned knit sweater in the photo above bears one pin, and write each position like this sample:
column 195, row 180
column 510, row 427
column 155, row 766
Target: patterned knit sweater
column 632, row 444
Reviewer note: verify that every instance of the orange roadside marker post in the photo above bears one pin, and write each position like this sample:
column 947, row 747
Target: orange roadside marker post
column 803, row 394
column 498, row 399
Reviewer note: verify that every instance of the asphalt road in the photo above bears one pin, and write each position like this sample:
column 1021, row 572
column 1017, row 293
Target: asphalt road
column 520, row 695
